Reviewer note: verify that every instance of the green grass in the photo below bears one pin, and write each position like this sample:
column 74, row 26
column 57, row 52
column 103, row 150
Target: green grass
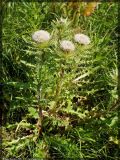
column 85, row 125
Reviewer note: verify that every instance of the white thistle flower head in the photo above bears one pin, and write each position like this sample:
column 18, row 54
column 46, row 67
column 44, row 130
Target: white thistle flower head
column 41, row 36
column 67, row 46
column 82, row 39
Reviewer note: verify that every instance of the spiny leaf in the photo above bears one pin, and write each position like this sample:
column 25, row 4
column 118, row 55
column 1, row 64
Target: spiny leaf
column 27, row 64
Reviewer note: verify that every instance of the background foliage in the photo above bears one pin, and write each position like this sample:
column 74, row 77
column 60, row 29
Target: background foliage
column 81, row 122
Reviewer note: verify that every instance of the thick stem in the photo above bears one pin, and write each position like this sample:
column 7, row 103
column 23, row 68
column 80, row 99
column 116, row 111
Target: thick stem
column 39, row 123
column 59, row 85
column 39, row 92
column 59, row 82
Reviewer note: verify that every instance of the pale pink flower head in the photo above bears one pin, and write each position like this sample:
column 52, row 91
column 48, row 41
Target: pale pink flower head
column 67, row 46
column 82, row 39
column 41, row 36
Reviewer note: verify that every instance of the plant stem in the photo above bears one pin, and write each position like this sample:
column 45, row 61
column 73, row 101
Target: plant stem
column 39, row 92
column 59, row 84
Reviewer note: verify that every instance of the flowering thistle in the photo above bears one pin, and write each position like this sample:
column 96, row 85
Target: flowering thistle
column 41, row 36
column 67, row 46
column 82, row 39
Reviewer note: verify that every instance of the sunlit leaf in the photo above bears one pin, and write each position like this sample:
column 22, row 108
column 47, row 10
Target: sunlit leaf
column 90, row 8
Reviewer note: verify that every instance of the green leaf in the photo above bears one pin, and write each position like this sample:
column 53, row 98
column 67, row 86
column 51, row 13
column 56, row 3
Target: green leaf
column 114, row 121
column 28, row 64
column 33, row 112
column 114, row 139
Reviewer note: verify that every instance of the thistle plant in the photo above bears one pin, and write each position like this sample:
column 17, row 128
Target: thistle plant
column 41, row 37
column 70, row 78
column 67, row 48
column 66, row 53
